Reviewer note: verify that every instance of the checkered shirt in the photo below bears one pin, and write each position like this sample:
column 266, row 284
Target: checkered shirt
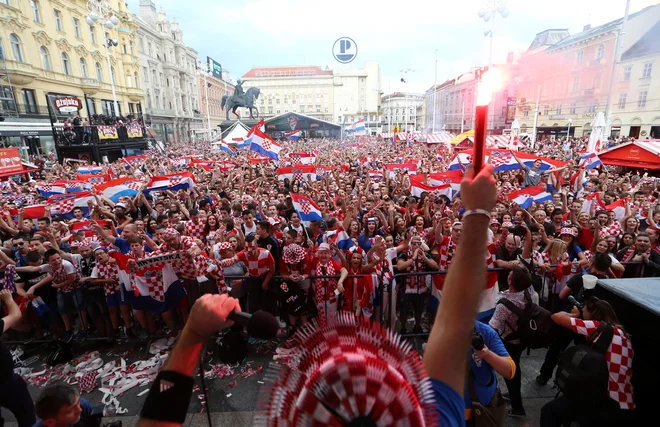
column 186, row 268
column 610, row 230
column 60, row 276
column 109, row 270
column 619, row 358
column 257, row 266
column 155, row 286
column 195, row 229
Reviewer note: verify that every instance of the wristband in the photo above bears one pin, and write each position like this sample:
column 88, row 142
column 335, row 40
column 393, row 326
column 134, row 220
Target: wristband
column 168, row 398
column 476, row 212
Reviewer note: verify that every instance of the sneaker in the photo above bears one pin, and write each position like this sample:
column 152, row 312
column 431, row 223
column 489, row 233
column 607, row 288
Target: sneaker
column 541, row 380
column 516, row 412
column 68, row 336
column 122, row 335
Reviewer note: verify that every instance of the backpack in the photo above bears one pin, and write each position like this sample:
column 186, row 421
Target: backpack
column 582, row 373
column 535, row 328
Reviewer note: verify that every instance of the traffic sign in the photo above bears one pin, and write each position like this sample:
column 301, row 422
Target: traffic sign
column 344, row 50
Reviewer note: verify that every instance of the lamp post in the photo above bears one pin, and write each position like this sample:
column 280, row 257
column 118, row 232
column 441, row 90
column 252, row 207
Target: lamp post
column 488, row 13
column 101, row 11
column 568, row 130
column 407, row 81
column 205, row 73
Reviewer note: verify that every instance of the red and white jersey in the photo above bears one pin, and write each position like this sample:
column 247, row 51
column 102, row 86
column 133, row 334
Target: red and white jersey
column 259, row 265
column 619, row 358
column 195, row 229
column 108, row 270
column 613, row 229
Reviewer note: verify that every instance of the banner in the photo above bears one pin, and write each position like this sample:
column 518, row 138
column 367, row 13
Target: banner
column 10, row 160
column 158, row 259
column 134, row 131
column 94, row 179
column 107, row 132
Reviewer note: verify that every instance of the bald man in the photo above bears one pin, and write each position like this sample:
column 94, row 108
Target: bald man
column 507, row 258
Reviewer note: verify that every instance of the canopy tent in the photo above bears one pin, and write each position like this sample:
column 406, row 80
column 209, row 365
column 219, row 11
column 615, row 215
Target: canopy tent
column 640, row 154
column 492, row 141
column 429, row 138
column 235, row 134
column 461, row 137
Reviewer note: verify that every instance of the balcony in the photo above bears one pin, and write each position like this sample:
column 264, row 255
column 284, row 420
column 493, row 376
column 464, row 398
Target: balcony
column 161, row 112
column 135, row 94
column 90, row 86
column 21, row 73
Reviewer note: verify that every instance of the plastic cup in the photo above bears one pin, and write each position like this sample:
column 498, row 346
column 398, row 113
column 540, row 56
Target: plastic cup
column 589, row 281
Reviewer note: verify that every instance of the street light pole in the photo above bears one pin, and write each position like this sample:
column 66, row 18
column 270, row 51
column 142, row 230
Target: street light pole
column 615, row 61
column 435, row 89
column 112, row 75
column 536, row 115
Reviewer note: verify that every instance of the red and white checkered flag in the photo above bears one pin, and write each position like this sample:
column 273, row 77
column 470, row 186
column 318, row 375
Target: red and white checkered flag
column 345, row 372
column 87, row 382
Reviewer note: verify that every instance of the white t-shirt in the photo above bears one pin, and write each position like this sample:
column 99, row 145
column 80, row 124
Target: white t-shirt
column 68, row 267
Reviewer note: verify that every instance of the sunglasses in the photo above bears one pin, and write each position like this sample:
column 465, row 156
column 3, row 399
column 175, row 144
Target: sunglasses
column 19, row 244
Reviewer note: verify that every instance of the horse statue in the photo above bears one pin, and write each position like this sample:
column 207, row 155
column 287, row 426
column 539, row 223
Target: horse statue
column 247, row 101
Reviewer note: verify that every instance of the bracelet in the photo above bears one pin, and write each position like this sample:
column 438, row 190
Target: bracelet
column 476, row 212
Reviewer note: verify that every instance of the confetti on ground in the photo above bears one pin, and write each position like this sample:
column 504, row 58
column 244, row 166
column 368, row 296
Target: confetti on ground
column 232, row 384
column 229, row 395
column 143, row 392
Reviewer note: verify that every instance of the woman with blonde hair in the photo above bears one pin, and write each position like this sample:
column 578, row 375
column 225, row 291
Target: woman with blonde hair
column 554, row 256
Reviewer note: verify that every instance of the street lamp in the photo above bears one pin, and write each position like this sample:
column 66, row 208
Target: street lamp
column 101, row 11
column 205, row 73
column 491, row 9
column 407, row 82
column 568, row 131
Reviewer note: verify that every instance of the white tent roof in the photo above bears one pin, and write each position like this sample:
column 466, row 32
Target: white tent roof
column 235, row 134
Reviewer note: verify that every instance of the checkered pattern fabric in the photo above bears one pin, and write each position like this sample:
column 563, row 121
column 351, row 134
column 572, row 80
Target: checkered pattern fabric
column 305, row 206
column 66, row 205
column 87, row 382
column 613, row 229
column 619, row 358
column 60, row 276
column 134, row 185
column 500, row 160
column 348, row 370
column 8, row 281
column 109, row 270
column 298, row 176
column 257, row 266
column 47, row 187
column 266, row 144
column 295, row 160
column 186, row 268
column 155, row 285
column 195, row 229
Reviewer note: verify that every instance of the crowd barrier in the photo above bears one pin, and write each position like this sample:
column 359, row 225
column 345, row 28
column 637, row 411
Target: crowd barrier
column 386, row 302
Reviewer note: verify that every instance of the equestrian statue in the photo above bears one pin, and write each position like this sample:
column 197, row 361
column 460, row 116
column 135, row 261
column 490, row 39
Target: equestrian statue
column 239, row 99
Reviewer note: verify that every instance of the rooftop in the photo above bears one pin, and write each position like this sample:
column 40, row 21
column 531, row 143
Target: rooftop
column 299, row 71
column 647, row 45
column 548, row 38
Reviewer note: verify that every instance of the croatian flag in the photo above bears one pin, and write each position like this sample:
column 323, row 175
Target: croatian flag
column 618, row 207
column 357, row 126
column 64, row 206
column 264, row 145
column 590, row 161
column 86, row 227
column 504, row 160
column 376, row 175
column 417, row 188
column 122, row 187
column 179, row 163
column 30, row 212
column 228, row 148
column 340, row 237
column 74, row 186
column 306, row 208
column 453, row 178
column 294, row 135
column 47, row 190
column 590, row 200
column 133, row 161
column 526, row 196
column 173, row 182
column 90, row 170
column 392, row 168
column 261, row 126
column 93, row 179
column 323, row 170
column 301, row 173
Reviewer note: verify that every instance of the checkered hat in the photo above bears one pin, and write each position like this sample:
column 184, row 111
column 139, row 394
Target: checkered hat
column 223, row 246
column 170, row 232
column 567, row 230
column 345, row 372
column 293, row 254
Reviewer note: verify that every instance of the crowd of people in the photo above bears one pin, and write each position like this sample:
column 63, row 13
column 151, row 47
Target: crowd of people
column 132, row 267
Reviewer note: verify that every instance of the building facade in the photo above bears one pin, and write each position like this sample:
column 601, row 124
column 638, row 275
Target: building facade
column 571, row 78
column 215, row 89
column 338, row 97
column 168, row 69
column 49, row 51
column 400, row 111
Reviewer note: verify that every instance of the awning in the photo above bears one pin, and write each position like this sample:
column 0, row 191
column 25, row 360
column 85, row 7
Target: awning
column 25, row 169
column 640, row 154
column 631, row 164
column 26, row 128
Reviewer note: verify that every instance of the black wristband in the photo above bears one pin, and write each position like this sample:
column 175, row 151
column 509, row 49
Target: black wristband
column 168, row 398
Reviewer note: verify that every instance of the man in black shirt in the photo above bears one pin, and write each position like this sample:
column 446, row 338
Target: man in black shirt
column 268, row 242
column 507, row 258
column 14, row 394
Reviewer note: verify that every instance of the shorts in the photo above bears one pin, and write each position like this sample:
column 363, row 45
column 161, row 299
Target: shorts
column 68, row 301
column 174, row 294
column 414, row 302
column 115, row 299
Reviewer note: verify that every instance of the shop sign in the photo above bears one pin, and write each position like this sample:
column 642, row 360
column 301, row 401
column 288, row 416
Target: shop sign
column 68, row 104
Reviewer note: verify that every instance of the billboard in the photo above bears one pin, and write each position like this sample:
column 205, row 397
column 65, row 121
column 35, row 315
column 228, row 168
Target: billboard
column 214, row 68
column 510, row 110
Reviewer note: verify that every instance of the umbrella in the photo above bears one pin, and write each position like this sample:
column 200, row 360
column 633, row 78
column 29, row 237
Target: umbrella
column 515, row 130
column 597, row 134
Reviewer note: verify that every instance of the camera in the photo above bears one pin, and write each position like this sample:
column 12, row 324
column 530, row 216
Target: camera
column 574, row 303
column 518, row 230
column 477, row 340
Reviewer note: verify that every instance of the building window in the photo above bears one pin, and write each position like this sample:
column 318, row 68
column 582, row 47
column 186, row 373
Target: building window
column 16, row 47
column 124, row 48
column 146, row 75
column 318, row 108
column 597, row 81
column 558, row 112
column 76, row 27
column 66, row 64
column 627, row 71
column 593, row 108
column 58, row 19
column 35, row 10
column 270, row 110
column 91, row 106
column 576, row 84
column 578, row 58
column 641, row 101
column 546, row 110
column 29, row 102
column 622, row 100
column 137, row 81
column 99, row 72
column 572, row 109
column 277, row 101
column 648, row 69
column 129, row 81
column 278, row 111
column 302, row 108
column 45, row 58
column 91, row 32
column 600, row 52
column 130, row 43
column 83, row 68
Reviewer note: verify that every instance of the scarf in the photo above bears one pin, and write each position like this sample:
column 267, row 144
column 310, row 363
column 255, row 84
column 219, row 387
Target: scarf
column 325, row 291
column 630, row 253
column 446, row 255
column 8, row 281
column 416, row 284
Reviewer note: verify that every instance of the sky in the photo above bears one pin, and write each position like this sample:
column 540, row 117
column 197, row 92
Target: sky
column 399, row 35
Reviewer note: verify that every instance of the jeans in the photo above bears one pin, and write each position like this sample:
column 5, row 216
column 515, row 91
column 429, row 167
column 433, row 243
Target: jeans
column 14, row 396
column 563, row 338
column 562, row 411
column 514, row 384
